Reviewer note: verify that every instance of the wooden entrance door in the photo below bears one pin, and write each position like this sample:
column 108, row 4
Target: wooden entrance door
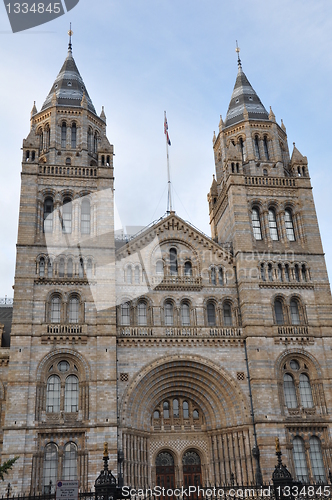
column 192, row 473
column 165, row 471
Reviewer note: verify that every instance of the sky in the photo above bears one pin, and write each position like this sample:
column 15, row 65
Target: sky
column 139, row 58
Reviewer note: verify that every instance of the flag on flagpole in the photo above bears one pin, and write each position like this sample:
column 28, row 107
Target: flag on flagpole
column 166, row 131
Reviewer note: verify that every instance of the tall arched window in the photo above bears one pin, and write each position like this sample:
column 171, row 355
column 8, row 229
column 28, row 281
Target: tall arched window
column 266, row 148
column 300, row 463
column 69, row 469
column 188, row 269
column 41, row 140
column 71, row 394
column 73, row 310
column 169, row 314
column 55, row 310
column 227, row 314
column 296, row 272
column 53, row 394
column 295, row 314
column 256, row 224
column 273, row 225
column 125, row 314
column 221, row 276
column 243, row 155
column 176, row 412
column 50, row 470
column 185, row 408
column 63, row 135
column 70, row 268
column 289, row 391
column 269, row 272
column 278, row 311
column 50, row 269
column 48, row 215
column 81, row 269
column 280, row 277
column 287, row 272
column 213, row 276
column 89, row 268
column 304, row 272
column 42, row 267
column 257, row 147
column 137, row 275
column 73, row 135
column 89, row 140
column 305, row 391
column 316, row 459
column 142, row 314
column 166, row 409
column 61, row 268
column 85, row 217
column 173, row 259
column 160, row 267
column 66, row 215
column 129, row 275
column 185, row 314
column 289, row 225
column 211, row 314
column 263, row 276
column 95, row 143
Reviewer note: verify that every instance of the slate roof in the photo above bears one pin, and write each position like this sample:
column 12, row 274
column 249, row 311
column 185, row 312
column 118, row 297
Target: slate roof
column 244, row 96
column 68, row 86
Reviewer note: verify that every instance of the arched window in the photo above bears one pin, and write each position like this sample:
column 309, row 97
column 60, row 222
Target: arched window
column 42, row 267
column 50, row 269
column 85, row 217
column 169, row 314
column 257, row 147
column 300, row 463
column 41, row 140
column 61, row 268
column 211, row 314
column 185, row 314
column 266, row 148
column 316, row 459
column 256, row 224
column 263, row 272
column 66, row 215
column 71, row 394
column 68, row 161
column 70, row 268
column 27, row 155
column 69, row 470
column 55, row 310
column 295, row 314
column 166, row 409
column 278, row 311
column 280, row 278
column 289, row 391
column 137, row 275
column 129, row 275
column 287, row 272
column 89, row 140
column 142, row 314
column 195, row 415
column 242, row 149
column 73, row 310
column 289, row 225
column 63, row 135
column 89, row 268
column 50, row 470
column 48, row 215
column 304, row 272
column 73, row 135
column 188, row 269
column 213, row 276
column 305, row 391
column 81, row 269
column 269, row 272
column 296, row 272
column 227, row 314
column 176, row 412
column 221, row 276
column 173, row 259
column 53, row 394
column 125, row 314
column 185, row 408
column 273, row 225
column 160, row 267
column 95, row 143
column 156, row 414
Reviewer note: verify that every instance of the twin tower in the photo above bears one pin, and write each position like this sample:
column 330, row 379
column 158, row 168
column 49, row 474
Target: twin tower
column 189, row 355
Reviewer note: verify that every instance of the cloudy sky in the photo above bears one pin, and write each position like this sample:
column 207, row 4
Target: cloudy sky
column 139, row 58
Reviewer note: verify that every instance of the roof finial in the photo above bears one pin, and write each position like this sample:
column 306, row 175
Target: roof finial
column 70, row 33
column 238, row 55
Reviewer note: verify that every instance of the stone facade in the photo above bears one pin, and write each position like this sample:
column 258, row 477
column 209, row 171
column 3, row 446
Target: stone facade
column 188, row 353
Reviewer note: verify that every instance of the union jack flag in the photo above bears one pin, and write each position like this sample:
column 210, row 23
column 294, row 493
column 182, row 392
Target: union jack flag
column 166, row 131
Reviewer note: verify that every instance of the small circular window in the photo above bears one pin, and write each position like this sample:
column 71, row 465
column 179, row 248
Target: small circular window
column 69, row 84
column 63, row 366
column 250, row 98
column 294, row 365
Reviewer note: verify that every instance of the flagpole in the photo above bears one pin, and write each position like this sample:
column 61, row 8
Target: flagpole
column 169, row 198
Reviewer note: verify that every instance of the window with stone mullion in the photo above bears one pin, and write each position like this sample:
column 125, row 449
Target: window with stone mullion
column 300, row 462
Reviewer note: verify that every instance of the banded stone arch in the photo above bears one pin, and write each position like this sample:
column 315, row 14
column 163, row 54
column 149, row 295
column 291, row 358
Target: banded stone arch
column 197, row 378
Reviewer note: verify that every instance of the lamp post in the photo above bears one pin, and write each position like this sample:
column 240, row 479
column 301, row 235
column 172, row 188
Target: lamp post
column 105, row 484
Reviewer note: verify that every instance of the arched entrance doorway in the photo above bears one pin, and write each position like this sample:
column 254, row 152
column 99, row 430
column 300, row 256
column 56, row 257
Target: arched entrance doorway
column 192, row 473
column 165, row 471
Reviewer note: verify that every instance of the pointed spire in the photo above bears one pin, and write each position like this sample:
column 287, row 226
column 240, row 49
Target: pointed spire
column 272, row 116
column 297, row 157
column 214, row 137
column 34, row 109
column 69, row 86
column 102, row 114
column 244, row 96
column 221, row 124
column 283, row 125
